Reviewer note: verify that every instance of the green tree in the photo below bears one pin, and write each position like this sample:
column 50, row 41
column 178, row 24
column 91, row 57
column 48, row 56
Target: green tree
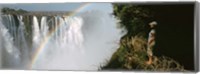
column 134, row 18
column 13, row 11
column 132, row 51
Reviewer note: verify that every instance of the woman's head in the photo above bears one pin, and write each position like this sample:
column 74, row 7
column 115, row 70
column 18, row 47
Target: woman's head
column 153, row 24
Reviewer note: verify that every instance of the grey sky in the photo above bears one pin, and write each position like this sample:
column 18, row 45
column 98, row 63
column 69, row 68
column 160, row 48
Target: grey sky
column 107, row 7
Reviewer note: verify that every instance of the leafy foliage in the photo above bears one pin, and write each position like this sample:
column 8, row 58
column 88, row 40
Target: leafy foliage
column 132, row 55
column 133, row 17
column 12, row 11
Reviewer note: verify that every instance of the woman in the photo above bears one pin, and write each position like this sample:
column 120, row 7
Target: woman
column 151, row 42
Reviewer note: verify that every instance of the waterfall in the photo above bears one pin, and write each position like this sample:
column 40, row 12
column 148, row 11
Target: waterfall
column 0, row 45
column 36, row 33
column 66, row 42
column 10, row 54
column 44, row 27
column 22, row 41
column 82, row 42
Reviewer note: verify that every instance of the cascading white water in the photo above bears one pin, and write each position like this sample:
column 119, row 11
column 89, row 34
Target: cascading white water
column 0, row 45
column 65, row 43
column 44, row 27
column 36, row 33
column 10, row 54
column 81, row 42
column 22, row 42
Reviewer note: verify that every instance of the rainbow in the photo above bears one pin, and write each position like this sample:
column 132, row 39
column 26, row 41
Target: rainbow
column 51, row 33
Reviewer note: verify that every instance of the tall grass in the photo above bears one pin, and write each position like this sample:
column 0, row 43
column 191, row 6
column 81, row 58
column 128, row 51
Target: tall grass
column 132, row 56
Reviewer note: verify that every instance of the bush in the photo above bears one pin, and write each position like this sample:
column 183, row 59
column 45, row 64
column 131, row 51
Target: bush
column 132, row 53
column 12, row 11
